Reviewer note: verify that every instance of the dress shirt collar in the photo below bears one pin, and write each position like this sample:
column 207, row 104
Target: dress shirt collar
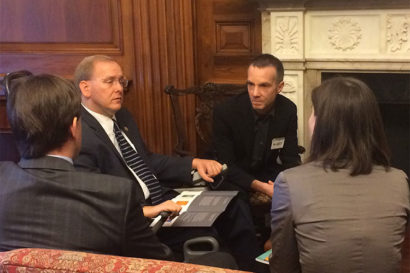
column 104, row 121
column 63, row 157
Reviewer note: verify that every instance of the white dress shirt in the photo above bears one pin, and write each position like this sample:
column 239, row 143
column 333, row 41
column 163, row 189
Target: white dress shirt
column 108, row 126
column 62, row 157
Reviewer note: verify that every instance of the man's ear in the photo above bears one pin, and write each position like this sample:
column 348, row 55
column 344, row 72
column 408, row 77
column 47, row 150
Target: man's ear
column 280, row 87
column 85, row 89
column 74, row 128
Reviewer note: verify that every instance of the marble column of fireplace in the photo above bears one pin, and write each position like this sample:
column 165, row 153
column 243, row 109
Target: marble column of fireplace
column 311, row 39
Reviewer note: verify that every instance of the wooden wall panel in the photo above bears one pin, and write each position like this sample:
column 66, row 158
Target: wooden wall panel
column 64, row 26
column 60, row 55
column 228, row 35
column 163, row 55
column 233, row 38
column 152, row 39
column 65, row 32
column 30, row 21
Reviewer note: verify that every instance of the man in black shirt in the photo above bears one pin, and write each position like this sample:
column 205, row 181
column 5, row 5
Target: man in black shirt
column 255, row 133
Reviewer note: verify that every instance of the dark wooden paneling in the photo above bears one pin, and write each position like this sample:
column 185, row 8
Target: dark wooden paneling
column 60, row 26
column 59, row 34
column 233, row 38
column 4, row 126
column 163, row 55
column 228, row 35
column 29, row 21
column 152, row 39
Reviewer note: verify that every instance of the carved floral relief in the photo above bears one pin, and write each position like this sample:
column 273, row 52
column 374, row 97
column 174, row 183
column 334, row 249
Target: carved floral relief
column 290, row 85
column 286, row 35
column 397, row 32
column 344, row 34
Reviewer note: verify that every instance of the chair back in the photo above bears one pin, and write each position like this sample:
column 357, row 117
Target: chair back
column 207, row 96
column 7, row 80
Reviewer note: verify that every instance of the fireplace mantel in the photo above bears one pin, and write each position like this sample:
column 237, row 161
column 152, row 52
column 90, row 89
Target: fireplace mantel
column 316, row 36
column 332, row 4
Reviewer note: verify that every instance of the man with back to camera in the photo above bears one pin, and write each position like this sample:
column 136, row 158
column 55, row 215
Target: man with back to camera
column 44, row 202
column 255, row 133
column 113, row 145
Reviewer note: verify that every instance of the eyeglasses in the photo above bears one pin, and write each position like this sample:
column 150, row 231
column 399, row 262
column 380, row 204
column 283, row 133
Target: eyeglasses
column 111, row 81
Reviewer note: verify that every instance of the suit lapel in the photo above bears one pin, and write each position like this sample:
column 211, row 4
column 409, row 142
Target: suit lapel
column 127, row 125
column 122, row 123
column 99, row 132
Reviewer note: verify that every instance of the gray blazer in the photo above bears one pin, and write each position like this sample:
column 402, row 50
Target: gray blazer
column 45, row 203
column 332, row 222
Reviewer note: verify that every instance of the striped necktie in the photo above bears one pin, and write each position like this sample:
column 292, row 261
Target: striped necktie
column 137, row 164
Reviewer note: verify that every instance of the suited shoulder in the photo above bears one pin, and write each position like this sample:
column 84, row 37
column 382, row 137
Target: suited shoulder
column 302, row 171
column 124, row 114
column 392, row 175
column 242, row 101
column 7, row 166
column 285, row 103
column 233, row 103
column 101, row 182
column 393, row 171
column 314, row 171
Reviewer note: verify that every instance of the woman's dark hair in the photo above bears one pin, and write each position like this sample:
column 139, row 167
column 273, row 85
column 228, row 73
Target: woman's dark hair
column 349, row 130
column 41, row 110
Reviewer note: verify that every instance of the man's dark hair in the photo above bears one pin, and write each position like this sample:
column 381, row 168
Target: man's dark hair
column 349, row 130
column 265, row 60
column 40, row 110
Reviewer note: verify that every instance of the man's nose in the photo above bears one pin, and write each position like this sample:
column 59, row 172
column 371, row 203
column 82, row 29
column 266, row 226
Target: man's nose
column 256, row 91
column 118, row 86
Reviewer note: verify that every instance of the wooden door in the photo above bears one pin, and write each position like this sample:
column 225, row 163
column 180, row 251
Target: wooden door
column 228, row 35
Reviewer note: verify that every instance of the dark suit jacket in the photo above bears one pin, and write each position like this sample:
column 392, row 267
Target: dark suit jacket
column 233, row 139
column 99, row 154
column 45, row 203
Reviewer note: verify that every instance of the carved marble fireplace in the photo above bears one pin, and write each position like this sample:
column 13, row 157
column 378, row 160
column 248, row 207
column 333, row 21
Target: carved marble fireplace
column 315, row 37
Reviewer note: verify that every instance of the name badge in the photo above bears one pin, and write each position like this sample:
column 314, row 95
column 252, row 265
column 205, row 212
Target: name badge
column 277, row 143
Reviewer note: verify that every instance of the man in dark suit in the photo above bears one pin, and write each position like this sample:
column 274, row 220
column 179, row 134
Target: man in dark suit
column 44, row 202
column 255, row 133
column 113, row 145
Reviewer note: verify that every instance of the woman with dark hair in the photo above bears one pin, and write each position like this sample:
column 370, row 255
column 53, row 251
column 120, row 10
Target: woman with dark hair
column 346, row 210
